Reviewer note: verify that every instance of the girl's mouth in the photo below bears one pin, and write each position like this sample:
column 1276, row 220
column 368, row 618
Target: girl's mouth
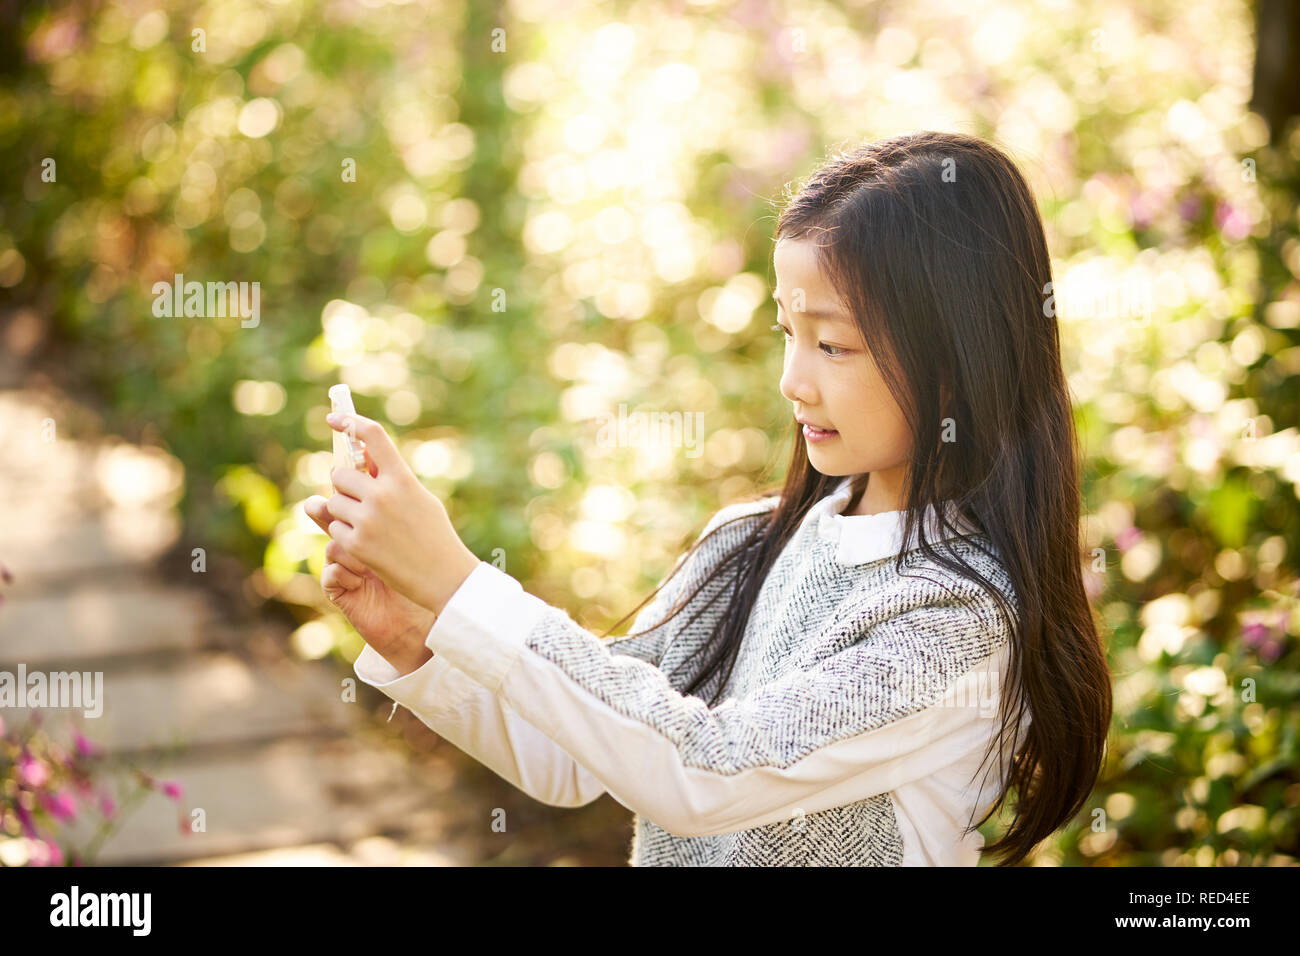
column 817, row 435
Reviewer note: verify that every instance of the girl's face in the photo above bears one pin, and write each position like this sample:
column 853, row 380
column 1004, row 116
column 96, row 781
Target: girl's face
column 831, row 381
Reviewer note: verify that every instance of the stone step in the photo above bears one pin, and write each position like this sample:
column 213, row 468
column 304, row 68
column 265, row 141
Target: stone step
column 286, row 772
column 101, row 619
column 76, row 506
column 281, row 794
column 45, row 461
column 371, row 851
column 47, row 543
column 208, row 699
column 42, row 458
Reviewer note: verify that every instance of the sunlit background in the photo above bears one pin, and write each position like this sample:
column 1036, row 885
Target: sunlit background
column 501, row 223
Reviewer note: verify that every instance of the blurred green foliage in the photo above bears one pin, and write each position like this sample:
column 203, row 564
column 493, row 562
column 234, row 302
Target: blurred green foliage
column 575, row 212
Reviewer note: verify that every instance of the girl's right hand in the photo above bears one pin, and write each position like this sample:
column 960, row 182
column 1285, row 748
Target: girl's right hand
column 388, row 621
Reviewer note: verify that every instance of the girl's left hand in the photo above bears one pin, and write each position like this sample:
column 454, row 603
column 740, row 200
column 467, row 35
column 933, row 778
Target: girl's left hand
column 394, row 525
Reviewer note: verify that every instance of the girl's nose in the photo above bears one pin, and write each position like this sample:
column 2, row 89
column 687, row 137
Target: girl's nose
column 796, row 387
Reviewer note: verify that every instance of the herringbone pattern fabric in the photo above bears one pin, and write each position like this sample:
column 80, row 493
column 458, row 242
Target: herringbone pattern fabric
column 830, row 652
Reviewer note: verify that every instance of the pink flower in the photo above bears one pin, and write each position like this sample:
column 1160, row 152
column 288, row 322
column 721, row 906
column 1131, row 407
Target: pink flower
column 29, row 826
column 172, row 790
column 84, row 747
column 57, row 40
column 45, row 852
column 62, row 805
column 1141, row 210
column 1127, row 538
column 106, row 805
column 1232, row 222
column 1254, row 633
column 1263, row 633
column 32, row 771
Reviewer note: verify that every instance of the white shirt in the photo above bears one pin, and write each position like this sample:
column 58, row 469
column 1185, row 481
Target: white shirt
column 863, row 702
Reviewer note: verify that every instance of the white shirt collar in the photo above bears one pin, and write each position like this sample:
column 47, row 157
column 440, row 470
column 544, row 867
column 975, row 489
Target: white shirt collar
column 860, row 539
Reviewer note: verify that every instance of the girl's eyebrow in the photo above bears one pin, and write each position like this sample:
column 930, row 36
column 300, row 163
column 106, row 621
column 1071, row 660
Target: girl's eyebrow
column 828, row 315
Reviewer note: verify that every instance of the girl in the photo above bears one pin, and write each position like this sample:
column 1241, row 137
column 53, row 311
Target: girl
column 804, row 687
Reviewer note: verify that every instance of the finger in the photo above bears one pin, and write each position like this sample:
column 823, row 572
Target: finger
column 344, row 509
column 336, row 577
column 342, row 533
column 337, row 553
column 352, row 482
column 318, row 511
column 378, row 444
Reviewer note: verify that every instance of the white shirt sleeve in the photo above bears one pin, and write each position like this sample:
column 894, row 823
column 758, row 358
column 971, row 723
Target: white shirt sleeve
column 477, row 721
column 861, row 722
column 468, row 715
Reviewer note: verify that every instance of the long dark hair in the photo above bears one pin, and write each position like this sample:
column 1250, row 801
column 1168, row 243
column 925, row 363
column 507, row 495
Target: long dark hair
column 934, row 242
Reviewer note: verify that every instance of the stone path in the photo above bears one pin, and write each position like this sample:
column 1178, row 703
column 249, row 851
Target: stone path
column 285, row 771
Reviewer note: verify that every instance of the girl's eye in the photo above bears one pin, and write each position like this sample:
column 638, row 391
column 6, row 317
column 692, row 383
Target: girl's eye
column 836, row 354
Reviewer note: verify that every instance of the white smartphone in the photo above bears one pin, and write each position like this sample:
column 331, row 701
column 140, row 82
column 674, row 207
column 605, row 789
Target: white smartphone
column 348, row 452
